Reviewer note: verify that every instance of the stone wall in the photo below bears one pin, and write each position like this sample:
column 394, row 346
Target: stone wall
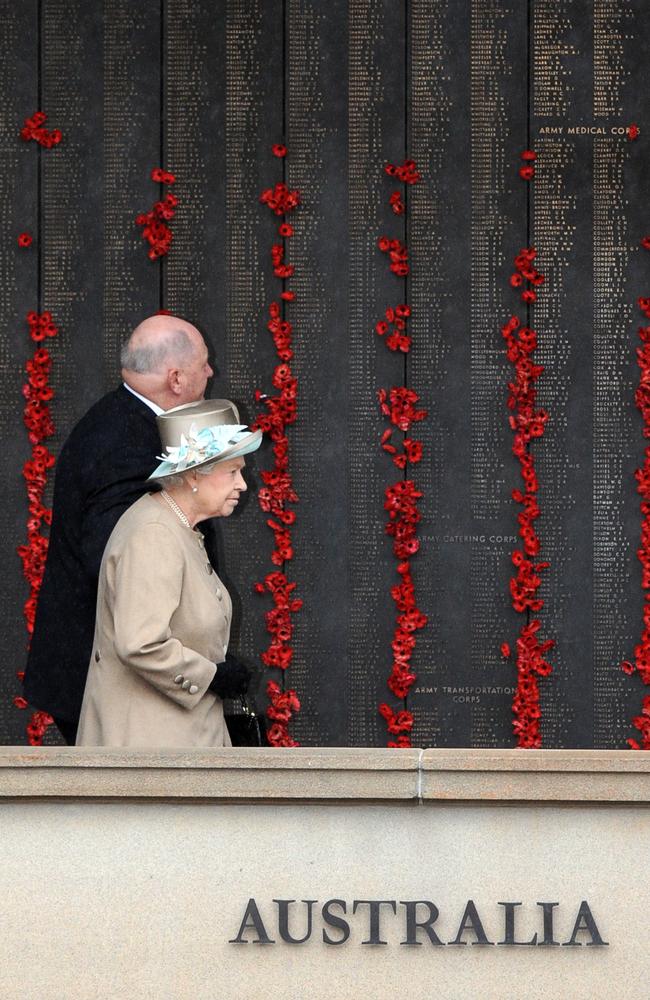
column 170, row 875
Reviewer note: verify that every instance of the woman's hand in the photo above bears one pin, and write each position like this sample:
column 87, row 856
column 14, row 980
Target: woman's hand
column 231, row 679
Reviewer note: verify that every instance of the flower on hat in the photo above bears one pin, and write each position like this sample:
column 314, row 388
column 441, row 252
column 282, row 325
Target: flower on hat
column 201, row 445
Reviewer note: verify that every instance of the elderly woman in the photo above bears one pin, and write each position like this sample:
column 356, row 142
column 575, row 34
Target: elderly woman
column 158, row 669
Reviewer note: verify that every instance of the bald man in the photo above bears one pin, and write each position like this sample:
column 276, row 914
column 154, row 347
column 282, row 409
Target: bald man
column 101, row 471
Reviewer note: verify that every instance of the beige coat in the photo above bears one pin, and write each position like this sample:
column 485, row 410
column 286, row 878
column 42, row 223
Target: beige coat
column 163, row 622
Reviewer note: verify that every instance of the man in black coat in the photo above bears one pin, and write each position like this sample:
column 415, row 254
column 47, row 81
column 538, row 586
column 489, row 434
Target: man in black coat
column 101, row 471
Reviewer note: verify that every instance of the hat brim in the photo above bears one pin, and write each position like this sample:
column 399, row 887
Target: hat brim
column 248, row 443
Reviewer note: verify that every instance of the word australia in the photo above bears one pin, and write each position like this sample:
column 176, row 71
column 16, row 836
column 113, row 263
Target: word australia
column 417, row 921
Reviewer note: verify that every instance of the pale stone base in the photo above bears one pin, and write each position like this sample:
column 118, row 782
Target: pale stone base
column 133, row 898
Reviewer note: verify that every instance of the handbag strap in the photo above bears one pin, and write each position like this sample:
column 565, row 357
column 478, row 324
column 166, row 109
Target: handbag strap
column 251, row 715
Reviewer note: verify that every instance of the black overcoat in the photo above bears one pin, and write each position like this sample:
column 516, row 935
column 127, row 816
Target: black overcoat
column 101, row 471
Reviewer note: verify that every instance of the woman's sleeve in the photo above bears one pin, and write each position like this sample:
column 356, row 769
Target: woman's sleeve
column 147, row 581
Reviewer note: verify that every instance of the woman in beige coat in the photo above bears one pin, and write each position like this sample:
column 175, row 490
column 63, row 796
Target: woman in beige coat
column 158, row 670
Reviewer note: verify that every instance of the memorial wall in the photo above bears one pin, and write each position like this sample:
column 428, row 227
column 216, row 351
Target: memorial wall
column 462, row 88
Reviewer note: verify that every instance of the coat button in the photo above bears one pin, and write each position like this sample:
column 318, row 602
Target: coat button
column 219, row 595
column 186, row 685
column 179, row 679
column 193, row 689
column 97, row 656
column 209, row 568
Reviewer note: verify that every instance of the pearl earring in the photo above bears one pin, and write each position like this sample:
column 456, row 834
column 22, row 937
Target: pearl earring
column 195, row 489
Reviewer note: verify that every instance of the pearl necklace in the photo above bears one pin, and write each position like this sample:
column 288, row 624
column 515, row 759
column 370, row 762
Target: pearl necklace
column 174, row 506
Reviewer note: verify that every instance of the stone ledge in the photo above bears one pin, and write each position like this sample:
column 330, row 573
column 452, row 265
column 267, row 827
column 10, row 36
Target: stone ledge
column 239, row 774
column 326, row 775
column 536, row 775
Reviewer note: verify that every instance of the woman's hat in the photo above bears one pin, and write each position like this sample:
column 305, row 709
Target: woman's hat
column 198, row 433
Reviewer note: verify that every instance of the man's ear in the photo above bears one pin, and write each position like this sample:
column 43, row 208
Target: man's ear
column 174, row 381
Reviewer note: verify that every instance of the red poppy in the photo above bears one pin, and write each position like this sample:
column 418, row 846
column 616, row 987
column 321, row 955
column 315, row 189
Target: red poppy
column 279, row 150
column 161, row 176
column 406, row 172
column 413, row 450
column 32, row 129
column 24, row 240
column 280, row 199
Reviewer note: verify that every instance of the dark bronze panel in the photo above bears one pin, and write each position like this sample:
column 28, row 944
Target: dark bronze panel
column 461, row 86
column 19, row 85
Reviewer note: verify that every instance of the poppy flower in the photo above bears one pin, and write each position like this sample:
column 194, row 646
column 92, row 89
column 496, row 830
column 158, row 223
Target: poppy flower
column 398, row 342
column 280, row 199
column 406, row 172
column 24, row 240
column 33, row 130
column 161, row 176
column 413, row 450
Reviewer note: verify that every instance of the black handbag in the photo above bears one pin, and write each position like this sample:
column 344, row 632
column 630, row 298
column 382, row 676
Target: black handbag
column 245, row 726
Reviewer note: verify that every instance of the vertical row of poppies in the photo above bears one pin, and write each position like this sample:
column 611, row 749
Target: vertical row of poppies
column 40, row 426
column 527, row 423
column 38, row 421
column 155, row 230
column 641, row 662
column 399, row 406
column 278, row 493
